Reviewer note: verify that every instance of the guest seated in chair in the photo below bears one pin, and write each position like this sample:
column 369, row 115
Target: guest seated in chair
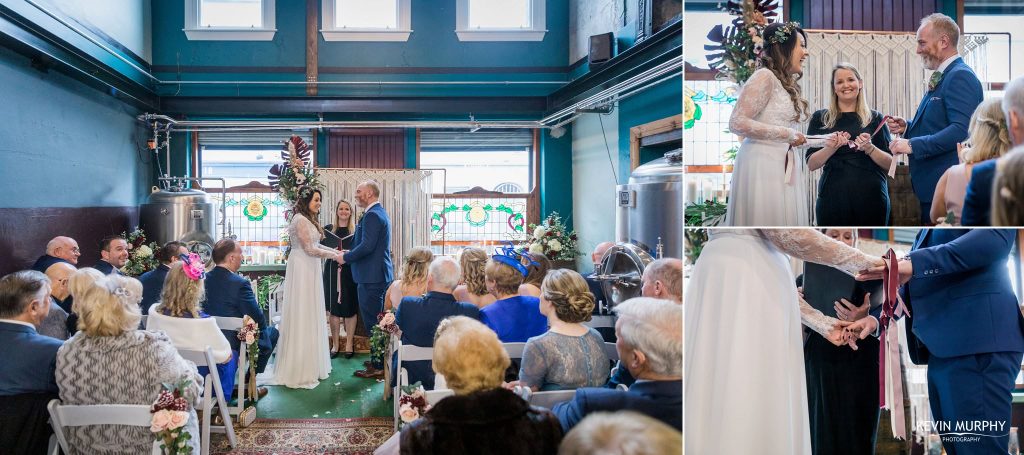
column 413, row 280
column 570, row 354
column 515, row 318
column 537, row 266
column 28, row 361
column 179, row 315
column 621, row 433
column 230, row 295
column 113, row 255
column 110, row 361
column 472, row 288
column 650, row 344
column 60, row 249
column 418, row 317
column 481, row 417
column 153, row 280
column 663, row 279
column 56, row 324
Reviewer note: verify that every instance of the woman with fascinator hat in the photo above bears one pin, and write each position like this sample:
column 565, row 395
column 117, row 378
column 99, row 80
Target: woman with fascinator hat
column 514, row 317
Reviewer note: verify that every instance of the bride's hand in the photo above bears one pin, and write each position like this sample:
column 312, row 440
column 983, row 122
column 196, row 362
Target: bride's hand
column 832, row 142
column 800, row 140
column 839, row 335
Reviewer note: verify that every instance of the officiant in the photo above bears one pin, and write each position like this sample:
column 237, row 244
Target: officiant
column 342, row 301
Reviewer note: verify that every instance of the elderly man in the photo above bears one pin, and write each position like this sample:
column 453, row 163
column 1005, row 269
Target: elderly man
column 954, row 92
column 27, row 378
column 113, row 255
column 978, row 201
column 418, row 317
column 663, row 279
column 153, row 280
column 649, row 341
column 60, row 249
column 56, row 323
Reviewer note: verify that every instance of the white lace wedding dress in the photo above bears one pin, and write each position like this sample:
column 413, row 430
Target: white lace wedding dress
column 759, row 194
column 744, row 374
column 303, row 353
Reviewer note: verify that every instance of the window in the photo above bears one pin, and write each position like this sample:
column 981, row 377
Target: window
column 229, row 20
column 360, row 20
column 500, row 20
column 492, row 160
column 239, row 166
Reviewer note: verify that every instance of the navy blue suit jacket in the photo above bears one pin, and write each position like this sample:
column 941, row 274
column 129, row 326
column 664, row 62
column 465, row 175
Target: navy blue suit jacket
column 29, row 360
column 977, row 209
column 230, row 295
column 939, row 124
column 418, row 317
column 106, row 267
column 662, row 400
column 45, row 261
column 960, row 298
column 152, row 285
column 371, row 254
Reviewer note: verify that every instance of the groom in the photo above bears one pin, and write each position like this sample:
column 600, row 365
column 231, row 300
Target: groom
column 965, row 325
column 954, row 92
column 370, row 258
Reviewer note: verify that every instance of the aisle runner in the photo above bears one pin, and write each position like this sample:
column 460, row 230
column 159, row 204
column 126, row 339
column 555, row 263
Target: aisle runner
column 307, row 436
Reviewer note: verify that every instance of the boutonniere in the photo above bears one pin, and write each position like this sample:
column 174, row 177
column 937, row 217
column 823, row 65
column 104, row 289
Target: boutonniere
column 934, row 81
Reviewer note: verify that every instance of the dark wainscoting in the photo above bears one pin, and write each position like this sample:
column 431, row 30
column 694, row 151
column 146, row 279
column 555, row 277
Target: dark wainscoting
column 25, row 231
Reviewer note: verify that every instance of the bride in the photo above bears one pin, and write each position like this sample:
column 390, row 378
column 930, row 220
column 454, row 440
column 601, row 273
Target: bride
column 303, row 354
column 767, row 181
column 745, row 386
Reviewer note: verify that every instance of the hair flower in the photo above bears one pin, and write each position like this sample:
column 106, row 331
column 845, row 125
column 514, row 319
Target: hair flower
column 193, row 266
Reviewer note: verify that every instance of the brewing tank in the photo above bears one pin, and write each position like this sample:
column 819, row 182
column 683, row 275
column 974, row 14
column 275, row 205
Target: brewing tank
column 649, row 210
column 184, row 215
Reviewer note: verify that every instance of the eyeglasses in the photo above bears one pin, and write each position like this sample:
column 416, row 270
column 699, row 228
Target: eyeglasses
column 76, row 250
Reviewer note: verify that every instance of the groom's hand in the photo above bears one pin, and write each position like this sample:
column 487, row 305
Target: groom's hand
column 878, row 272
column 900, row 146
column 897, row 125
column 850, row 312
column 863, row 327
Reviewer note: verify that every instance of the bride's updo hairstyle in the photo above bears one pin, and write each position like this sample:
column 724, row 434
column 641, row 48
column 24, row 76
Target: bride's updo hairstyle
column 107, row 305
column 569, row 295
column 414, row 270
column 779, row 42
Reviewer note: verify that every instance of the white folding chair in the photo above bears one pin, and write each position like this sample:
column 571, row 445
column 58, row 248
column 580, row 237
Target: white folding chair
column 514, row 350
column 551, row 398
column 433, row 396
column 235, row 324
column 407, row 353
column 62, row 416
column 275, row 301
column 142, row 322
column 611, row 352
column 211, row 388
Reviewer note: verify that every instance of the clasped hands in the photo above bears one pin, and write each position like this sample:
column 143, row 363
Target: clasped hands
column 341, row 256
column 854, row 322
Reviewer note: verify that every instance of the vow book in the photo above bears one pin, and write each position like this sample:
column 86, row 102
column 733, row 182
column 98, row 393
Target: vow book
column 824, row 286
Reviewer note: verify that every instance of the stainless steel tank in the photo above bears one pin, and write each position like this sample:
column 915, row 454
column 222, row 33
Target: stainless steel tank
column 621, row 269
column 184, row 215
column 649, row 210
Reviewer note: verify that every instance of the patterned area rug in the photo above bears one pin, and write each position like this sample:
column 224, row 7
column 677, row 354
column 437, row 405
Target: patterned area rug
column 301, row 436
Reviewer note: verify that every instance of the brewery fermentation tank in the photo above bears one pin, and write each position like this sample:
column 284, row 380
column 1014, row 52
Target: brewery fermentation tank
column 184, row 215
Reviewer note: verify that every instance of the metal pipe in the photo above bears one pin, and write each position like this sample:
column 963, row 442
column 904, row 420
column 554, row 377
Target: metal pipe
column 367, row 83
column 637, row 88
column 223, row 196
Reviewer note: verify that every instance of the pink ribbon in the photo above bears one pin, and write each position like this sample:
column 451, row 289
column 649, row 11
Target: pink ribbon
column 890, row 381
column 790, row 171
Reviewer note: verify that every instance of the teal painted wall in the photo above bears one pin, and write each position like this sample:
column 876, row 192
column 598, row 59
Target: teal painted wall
column 594, row 179
column 65, row 144
column 556, row 176
column 655, row 103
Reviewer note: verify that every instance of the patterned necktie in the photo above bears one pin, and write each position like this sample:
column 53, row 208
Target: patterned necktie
column 934, row 80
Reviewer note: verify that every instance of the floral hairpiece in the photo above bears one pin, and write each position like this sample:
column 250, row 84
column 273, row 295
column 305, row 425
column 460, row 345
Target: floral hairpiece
column 193, row 266
column 123, row 292
column 783, row 33
column 510, row 257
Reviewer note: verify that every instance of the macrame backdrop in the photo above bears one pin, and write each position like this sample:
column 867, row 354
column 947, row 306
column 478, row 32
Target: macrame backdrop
column 895, row 79
column 405, row 194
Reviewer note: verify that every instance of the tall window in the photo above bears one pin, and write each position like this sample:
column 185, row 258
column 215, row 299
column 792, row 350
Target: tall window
column 230, row 20
column 361, row 20
column 500, row 20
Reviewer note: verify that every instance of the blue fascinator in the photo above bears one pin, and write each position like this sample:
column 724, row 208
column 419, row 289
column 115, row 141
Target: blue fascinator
column 510, row 257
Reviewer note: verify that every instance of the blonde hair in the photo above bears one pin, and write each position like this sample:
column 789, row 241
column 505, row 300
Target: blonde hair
column 943, row 25
column 107, row 305
column 469, row 355
column 351, row 217
column 472, row 260
column 416, row 265
column 505, row 277
column 569, row 295
column 535, row 273
column 621, row 433
column 1008, row 190
column 832, row 114
column 181, row 295
column 987, row 132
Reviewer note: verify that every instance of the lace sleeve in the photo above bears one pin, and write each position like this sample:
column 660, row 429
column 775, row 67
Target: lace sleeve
column 815, row 319
column 300, row 233
column 756, row 93
column 811, row 245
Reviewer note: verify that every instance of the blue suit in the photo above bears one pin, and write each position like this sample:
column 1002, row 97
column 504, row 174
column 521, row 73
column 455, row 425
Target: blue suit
column 152, row 285
column 977, row 209
column 939, row 124
column 106, row 267
column 29, row 360
column 45, row 261
column 418, row 317
column 230, row 295
column 966, row 326
column 662, row 400
column 370, row 258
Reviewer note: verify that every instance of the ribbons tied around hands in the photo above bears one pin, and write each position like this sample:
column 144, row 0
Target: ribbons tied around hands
column 890, row 380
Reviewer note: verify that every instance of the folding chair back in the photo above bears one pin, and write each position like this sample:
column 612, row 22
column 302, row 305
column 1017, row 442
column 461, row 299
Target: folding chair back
column 211, row 389
column 62, row 416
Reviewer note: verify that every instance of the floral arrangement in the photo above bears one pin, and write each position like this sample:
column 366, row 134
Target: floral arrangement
column 140, row 254
column 296, row 177
column 170, row 414
column 248, row 335
column 263, row 286
column 737, row 47
column 552, row 239
column 412, row 403
column 381, row 336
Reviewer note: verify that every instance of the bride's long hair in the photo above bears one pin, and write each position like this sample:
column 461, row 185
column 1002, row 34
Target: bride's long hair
column 832, row 114
column 302, row 208
column 777, row 58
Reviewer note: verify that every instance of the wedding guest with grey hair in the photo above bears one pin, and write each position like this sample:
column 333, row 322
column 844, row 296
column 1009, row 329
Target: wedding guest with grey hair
column 58, row 249
column 663, row 279
column 621, row 433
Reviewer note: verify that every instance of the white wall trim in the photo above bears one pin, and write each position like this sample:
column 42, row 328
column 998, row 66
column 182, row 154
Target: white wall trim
column 332, row 33
column 534, row 33
column 196, row 33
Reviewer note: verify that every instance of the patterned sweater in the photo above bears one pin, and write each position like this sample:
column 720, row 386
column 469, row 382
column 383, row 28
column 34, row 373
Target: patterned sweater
column 125, row 369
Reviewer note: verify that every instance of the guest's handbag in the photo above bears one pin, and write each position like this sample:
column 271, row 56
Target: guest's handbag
column 890, row 381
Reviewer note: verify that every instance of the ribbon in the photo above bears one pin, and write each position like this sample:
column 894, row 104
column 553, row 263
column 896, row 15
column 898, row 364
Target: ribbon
column 896, row 159
column 853, row 145
column 790, row 162
column 890, row 380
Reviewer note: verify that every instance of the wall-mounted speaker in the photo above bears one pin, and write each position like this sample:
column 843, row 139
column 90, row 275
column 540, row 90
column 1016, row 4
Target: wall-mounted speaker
column 602, row 48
